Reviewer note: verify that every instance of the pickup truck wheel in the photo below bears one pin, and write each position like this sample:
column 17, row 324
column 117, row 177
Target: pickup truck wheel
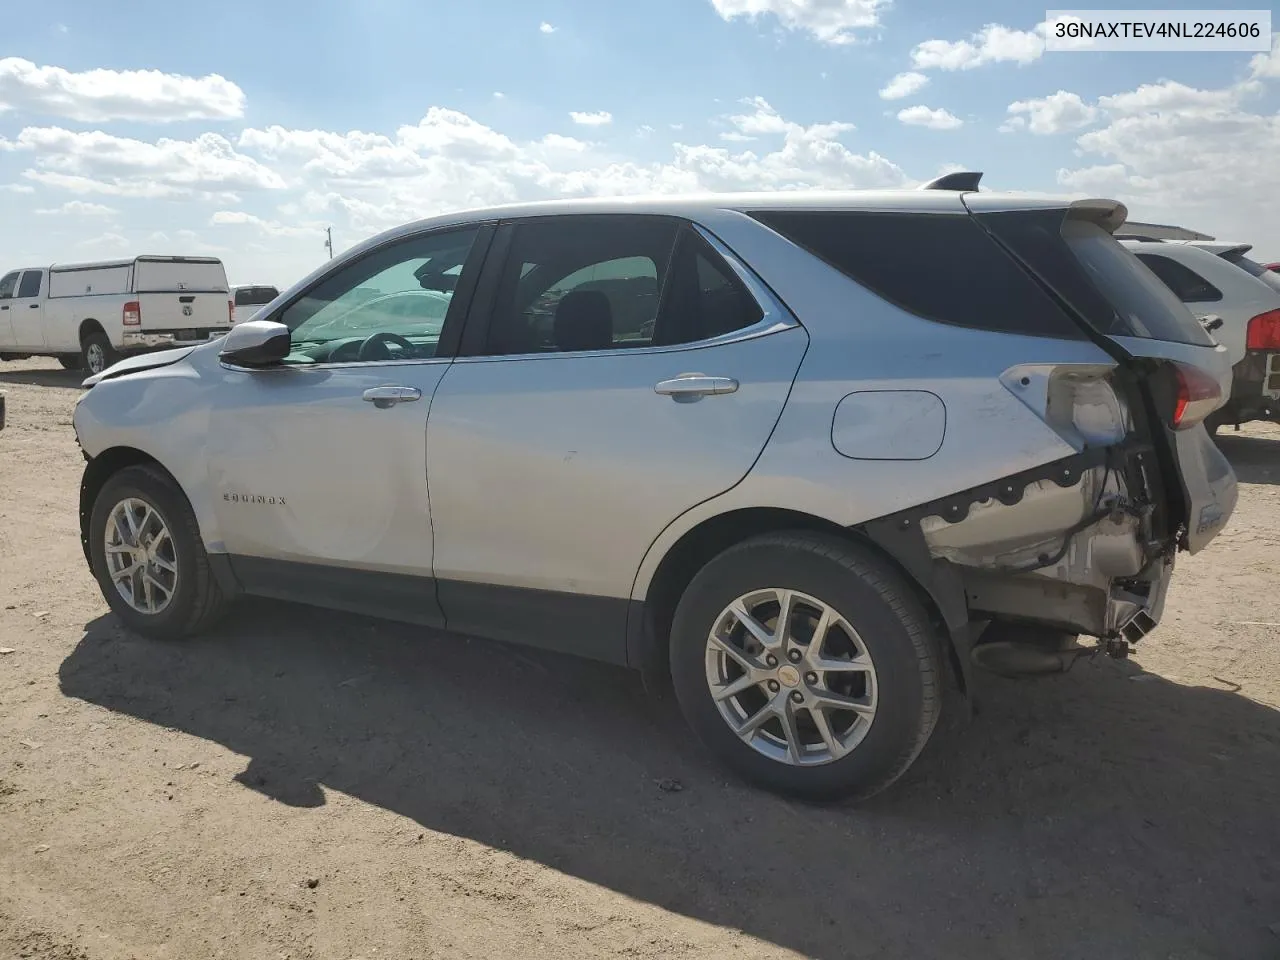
column 808, row 665
column 71, row 363
column 148, row 557
column 96, row 353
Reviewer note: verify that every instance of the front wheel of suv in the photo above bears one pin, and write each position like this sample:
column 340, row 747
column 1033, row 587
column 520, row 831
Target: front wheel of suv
column 148, row 557
column 808, row 665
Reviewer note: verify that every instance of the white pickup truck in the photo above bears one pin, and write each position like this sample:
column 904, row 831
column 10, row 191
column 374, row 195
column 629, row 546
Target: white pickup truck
column 91, row 314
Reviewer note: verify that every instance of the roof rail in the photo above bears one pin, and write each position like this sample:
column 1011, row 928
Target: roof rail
column 965, row 180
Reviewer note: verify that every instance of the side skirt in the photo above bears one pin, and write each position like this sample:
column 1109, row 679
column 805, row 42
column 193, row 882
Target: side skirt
column 585, row 626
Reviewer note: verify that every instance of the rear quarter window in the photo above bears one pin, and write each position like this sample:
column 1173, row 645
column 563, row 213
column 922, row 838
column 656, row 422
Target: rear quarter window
column 1187, row 285
column 1088, row 269
column 943, row 267
column 1148, row 308
column 1254, row 269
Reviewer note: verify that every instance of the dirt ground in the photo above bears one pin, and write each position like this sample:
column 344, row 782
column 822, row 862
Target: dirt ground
column 312, row 785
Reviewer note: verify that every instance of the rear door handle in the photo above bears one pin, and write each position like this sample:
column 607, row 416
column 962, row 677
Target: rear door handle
column 694, row 386
column 389, row 396
column 34, row 306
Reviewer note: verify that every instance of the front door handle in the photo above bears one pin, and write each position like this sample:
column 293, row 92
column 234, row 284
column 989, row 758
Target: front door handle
column 34, row 306
column 389, row 396
column 694, row 386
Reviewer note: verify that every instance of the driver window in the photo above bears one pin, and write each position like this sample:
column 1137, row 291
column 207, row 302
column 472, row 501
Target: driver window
column 7, row 283
column 389, row 305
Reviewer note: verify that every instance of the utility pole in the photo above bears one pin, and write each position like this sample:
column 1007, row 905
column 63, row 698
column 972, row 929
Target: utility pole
column 328, row 232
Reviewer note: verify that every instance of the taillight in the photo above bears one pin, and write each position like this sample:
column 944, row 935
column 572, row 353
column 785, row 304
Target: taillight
column 1198, row 396
column 1264, row 331
column 132, row 314
column 231, row 311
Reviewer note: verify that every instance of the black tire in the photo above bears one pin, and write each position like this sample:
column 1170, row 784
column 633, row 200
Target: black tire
column 891, row 622
column 72, row 363
column 88, row 358
column 198, row 601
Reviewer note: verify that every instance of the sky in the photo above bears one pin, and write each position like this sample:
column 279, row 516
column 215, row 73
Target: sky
column 246, row 129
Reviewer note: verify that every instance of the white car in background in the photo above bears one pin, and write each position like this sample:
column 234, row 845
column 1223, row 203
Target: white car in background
column 248, row 298
column 1216, row 280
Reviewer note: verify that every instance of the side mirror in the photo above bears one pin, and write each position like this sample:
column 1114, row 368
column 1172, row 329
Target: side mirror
column 255, row 343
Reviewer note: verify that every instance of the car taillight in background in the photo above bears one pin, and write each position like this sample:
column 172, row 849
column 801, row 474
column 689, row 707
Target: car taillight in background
column 231, row 311
column 132, row 314
column 1264, row 331
column 1274, row 267
column 1198, row 396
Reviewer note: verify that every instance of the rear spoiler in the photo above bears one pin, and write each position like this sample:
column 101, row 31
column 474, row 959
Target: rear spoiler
column 1110, row 215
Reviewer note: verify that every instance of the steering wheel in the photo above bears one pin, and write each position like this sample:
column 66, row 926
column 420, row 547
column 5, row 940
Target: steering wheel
column 375, row 347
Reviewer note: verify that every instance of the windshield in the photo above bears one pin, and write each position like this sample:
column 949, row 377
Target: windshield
column 1148, row 308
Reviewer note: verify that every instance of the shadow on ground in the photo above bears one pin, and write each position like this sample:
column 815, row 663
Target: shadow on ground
column 1105, row 813
column 70, row 379
column 1255, row 459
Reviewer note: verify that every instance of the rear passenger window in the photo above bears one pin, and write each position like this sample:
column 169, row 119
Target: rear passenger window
column 942, row 267
column 581, row 283
column 30, row 286
column 1187, row 285
column 704, row 298
column 613, row 283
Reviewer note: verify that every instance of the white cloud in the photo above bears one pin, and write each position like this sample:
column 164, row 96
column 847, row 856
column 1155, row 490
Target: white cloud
column 369, row 181
column 272, row 228
column 17, row 188
column 939, row 119
column 97, row 162
column 78, row 208
column 1181, row 154
column 95, row 96
column 105, row 241
column 545, row 27
column 829, row 21
column 904, row 85
column 992, row 44
column 598, row 119
column 1171, row 96
column 1267, row 65
column 1058, row 113
column 554, row 141
column 499, row 95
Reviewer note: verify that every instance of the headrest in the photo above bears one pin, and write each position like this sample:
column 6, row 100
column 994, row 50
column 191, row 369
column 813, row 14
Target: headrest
column 584, row 321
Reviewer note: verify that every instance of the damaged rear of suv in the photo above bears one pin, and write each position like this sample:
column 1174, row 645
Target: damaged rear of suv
column 1034, row 398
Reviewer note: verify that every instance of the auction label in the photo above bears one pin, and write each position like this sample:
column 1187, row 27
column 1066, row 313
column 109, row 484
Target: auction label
column 1088, row 31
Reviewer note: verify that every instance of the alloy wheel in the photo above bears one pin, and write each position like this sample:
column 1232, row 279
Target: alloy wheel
column 791, row 677
column 142, row 560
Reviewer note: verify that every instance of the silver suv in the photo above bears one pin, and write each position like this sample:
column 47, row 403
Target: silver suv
column 812, row 455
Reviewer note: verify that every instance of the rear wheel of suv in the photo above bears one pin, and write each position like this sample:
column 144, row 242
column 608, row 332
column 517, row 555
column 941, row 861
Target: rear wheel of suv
column 807, row 665
column 96, row 353
column 148, row 557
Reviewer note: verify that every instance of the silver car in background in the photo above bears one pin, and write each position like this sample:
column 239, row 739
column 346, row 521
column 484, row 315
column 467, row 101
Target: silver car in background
column 813, row 456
